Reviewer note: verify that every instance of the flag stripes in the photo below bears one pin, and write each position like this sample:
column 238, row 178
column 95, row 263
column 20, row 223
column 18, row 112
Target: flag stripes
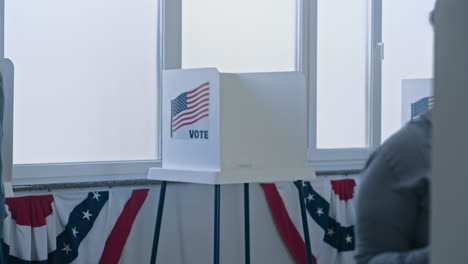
column 116, row 241
column 190, row 107
column 288, row 231
column 421, row 106
column 188, row 113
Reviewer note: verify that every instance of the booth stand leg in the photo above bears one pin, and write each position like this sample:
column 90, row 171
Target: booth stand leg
column 247, row 222
column 2, row 256
column 217, row 203
column 157, row 230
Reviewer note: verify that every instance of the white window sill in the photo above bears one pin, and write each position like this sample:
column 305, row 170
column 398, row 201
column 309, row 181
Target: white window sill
column 35, row 177
column 329, row 160
column 79, row 173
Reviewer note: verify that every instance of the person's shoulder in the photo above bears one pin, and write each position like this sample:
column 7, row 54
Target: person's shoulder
column 410, row 137
column 410, row 147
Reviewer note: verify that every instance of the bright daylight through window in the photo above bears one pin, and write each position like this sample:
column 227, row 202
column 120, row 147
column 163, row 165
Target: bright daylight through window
column 408, row 37
column 85, row 79
column 342, row 55
column 239, row 36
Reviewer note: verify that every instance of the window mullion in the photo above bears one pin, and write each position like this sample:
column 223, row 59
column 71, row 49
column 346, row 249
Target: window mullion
column 172, row 33
column 374, row 97
column 310, row 33
column 169, row 50
column 2, row 28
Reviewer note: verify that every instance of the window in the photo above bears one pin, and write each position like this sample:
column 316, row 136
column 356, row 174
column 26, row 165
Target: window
column 239, row 36
column 409, row 44
column 342, row 44
column 85, row 81
column 356, row 84
column 343, row 68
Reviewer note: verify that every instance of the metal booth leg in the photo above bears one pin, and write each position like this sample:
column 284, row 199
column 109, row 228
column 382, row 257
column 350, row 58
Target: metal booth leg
column 157, row 230
column 216, row 223
column 2, row 256
column 304, row 222
column 247, row 223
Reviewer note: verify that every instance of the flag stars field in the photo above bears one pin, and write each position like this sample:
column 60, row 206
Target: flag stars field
column 87, row 215
column 318, row 208
column 320, row 211
column 78, row 224
column 96, row 196
column 74, row 231
column 66, row 248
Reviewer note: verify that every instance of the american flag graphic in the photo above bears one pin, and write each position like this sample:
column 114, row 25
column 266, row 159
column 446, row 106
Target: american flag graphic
column 421, row 106
column 190, row 107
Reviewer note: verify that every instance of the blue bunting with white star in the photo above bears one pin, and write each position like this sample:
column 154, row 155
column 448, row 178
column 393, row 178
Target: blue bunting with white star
column 336, row 235
column 80, row 222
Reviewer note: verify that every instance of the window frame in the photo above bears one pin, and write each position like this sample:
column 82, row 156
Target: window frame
column 344, row 158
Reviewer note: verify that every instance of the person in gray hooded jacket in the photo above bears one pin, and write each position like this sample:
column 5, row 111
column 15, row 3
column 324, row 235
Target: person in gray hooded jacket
column 393, row 200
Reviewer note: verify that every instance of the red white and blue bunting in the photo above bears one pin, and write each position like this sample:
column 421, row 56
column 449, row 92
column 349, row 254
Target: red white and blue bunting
column 331, row 215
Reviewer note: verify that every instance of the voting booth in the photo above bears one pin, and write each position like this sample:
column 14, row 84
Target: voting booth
column 417, row 96
column 224, row 128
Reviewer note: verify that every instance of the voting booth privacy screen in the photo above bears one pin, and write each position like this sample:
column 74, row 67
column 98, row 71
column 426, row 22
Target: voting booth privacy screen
column 219, row 122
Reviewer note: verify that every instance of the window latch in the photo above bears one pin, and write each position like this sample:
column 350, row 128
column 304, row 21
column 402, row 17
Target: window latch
column 381, row 49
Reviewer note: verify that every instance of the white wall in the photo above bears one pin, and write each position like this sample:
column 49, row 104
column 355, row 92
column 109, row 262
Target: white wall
column 450, row 151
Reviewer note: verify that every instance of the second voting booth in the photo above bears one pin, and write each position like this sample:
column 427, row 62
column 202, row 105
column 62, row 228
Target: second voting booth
column 223, row 128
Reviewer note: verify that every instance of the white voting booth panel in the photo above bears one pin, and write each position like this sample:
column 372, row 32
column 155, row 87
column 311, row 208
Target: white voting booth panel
column 233, row 128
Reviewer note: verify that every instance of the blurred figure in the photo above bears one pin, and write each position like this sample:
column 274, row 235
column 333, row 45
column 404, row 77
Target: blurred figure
column 393, row 200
